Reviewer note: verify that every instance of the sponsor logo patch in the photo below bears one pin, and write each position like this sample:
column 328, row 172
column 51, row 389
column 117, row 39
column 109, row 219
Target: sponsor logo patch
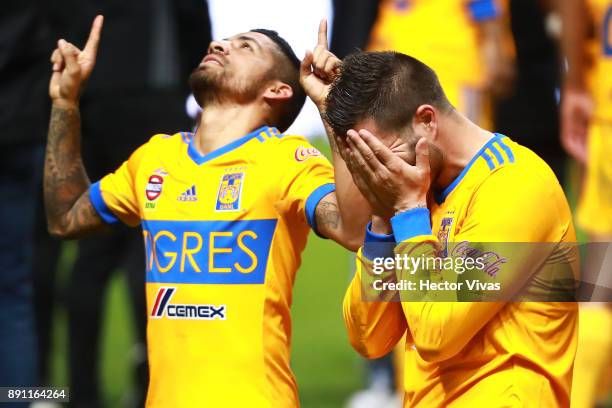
column 164, row 308
column 304, row 153
column 189, row 195
column 154, row 187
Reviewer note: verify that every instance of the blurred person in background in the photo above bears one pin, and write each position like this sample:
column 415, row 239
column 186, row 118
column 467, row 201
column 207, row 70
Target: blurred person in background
column 586, row 134
column 23, row 45
column 124, row 104
column 464, row 41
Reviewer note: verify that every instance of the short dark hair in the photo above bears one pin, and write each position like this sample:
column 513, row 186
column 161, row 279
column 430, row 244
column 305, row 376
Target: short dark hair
column 385, row 86
column 287, row 70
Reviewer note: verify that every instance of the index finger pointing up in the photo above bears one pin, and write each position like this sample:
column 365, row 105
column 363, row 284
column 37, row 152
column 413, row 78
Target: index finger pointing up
column 323, row 34
column 91, row 47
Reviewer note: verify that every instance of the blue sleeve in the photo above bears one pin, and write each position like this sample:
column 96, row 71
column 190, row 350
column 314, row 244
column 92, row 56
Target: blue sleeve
column 482, row 10
column 95, row 195
column 411, row 224
column 313, row 201
column 377, row 245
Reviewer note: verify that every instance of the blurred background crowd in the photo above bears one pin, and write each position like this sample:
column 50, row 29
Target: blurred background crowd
column 74, row 314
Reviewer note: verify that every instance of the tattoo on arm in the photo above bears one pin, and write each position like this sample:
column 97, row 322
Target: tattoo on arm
column 83, row 218
column 67, row 204
column 327, row 215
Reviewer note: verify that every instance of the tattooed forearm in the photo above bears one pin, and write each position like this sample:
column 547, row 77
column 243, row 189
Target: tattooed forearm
column 65, row 182
column 328, row 215
column 83, row 218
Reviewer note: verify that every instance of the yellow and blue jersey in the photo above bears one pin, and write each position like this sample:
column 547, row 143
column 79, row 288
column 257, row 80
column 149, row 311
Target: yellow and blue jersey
column 600, row 79
column 469, row 354
column 441, row 33
column 223, row 235
column 595, row 206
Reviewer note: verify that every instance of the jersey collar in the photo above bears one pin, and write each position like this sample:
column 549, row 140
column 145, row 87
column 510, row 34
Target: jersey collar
column 440, row 197
column 199, row 158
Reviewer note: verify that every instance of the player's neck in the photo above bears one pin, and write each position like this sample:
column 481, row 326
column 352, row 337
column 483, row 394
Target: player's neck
column 222, row 124
column 460, row 141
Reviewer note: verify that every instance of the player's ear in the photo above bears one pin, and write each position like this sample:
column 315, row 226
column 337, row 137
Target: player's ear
column 278, row 91
column 425, row 121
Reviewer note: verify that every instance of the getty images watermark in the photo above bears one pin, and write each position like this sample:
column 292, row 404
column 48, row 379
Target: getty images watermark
column 485, row 272
column 411, row 265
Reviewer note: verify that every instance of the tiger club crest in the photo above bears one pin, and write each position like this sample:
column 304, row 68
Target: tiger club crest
column 230, row 191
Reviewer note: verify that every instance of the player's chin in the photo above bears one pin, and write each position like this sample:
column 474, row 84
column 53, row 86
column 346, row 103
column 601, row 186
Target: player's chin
column 203, row 77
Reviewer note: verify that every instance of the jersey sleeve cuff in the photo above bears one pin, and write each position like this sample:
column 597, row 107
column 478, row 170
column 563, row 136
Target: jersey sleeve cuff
column 482, row 10
column 377, row 245
column 313, row 201
column 410, row 224
column 95, row 195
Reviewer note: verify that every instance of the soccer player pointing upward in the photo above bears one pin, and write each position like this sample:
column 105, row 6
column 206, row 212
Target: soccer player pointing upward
column 225, row 213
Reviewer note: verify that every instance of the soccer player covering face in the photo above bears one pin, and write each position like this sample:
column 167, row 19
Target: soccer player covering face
column 225, row 213
column 432, row 178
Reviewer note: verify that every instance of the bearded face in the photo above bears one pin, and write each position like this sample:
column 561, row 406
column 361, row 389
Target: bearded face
column 233, row 70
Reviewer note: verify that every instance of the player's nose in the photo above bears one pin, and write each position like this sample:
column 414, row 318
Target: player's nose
column 221, row 47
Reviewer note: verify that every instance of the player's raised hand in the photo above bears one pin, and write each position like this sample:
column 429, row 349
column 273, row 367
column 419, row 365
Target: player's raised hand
column 392, row 184
column 319, row 68
column 576, row 113
column 72, row 66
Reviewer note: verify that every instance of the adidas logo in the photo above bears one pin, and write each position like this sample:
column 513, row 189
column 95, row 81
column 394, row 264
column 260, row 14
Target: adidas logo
column 189, row 195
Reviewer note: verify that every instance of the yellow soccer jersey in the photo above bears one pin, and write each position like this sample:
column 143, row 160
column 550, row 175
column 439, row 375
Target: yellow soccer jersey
column 601, row 72
column 473, row 354
column 595, row 207
column 441, row 33
column 223, row 235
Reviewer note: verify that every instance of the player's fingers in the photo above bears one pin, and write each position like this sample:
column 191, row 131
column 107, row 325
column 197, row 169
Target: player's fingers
column 319, row 64
column 54, row 87
column 356, row 161
column 322, row 41
column 57, row 60
column 422, row 156
column 305, row 69
column 73, row 49
column 55, row 56
column 345, row 150
column 363, row 150
column 358, row 168
column 69, row 54
column 91, row 47
column 317, row 53
column 331, row 66
column 342, row 146
column 380, row 151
